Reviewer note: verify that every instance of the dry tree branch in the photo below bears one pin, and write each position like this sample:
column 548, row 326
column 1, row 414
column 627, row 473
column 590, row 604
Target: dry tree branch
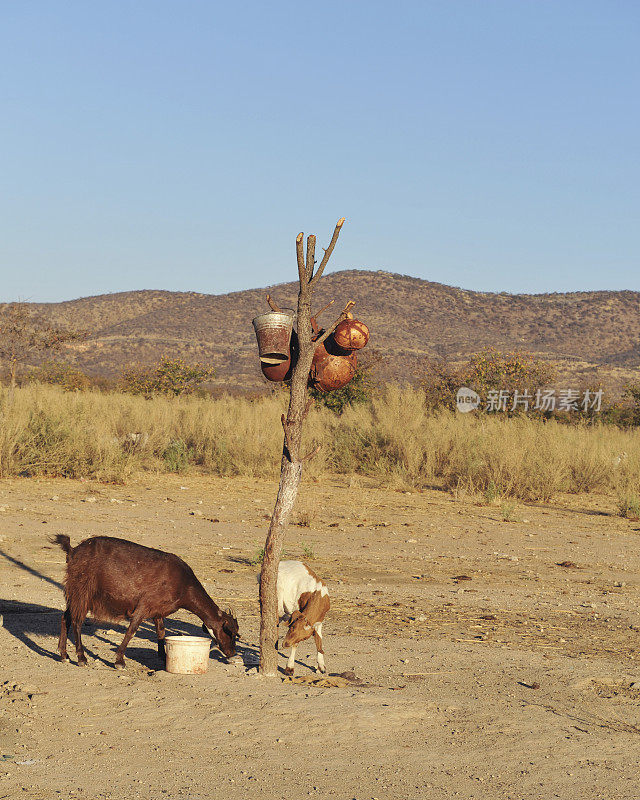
column 313, row 453
column 311, row 255
column 322, row 310
column 328, row 251
column 332, row 328
column 273, row 305
column 300, row 256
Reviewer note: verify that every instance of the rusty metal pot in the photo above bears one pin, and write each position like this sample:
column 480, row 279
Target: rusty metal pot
column 273, row 332
column 351, row 334
column 283, row 370
column 333, row 372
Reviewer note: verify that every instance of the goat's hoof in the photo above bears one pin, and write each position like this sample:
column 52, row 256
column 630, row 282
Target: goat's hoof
column 288, row 671
column 119, row 664
column 64, row 658
column 323, row 670
column 82, row 662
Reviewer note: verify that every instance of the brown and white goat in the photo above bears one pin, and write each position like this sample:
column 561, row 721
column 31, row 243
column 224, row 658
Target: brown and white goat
column 114, row 579
column 303, row 601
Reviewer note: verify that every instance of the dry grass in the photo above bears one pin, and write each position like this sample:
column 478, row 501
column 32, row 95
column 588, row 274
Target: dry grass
column 48, row 432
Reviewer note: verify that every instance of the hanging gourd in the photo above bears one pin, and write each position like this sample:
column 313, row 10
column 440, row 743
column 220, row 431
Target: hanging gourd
column 333, row 372
column 351, row 334
column 332, row 366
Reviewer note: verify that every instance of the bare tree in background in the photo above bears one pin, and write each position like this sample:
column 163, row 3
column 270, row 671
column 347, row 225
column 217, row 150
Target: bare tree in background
column 292, row 460
column 23, row 334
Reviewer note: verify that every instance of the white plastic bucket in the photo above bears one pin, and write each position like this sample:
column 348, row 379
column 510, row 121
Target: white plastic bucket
column 187, row 655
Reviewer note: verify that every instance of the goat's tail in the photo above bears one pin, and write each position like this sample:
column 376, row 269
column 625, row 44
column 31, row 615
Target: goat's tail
column 64, row 542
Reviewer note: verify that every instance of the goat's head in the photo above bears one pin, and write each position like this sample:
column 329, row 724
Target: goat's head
column 299, row 630
column 225, row 632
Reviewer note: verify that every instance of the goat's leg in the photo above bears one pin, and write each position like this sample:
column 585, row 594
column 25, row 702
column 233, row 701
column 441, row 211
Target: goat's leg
column 77, row 631
column 317, row 637
column 65, row 624
column 286, row 618
column 291, row 662
column 160, row 634
column 136, row 619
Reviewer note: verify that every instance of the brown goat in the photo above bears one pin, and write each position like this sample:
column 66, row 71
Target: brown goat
column 114, row 579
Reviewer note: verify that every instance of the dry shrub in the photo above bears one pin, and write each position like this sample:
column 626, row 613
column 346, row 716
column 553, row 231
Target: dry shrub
column 395, row 439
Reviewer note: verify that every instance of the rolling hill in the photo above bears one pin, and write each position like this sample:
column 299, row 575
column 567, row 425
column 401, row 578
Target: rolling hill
column 591, row 335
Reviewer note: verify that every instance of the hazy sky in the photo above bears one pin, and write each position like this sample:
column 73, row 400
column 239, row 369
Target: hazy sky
column 492, row 145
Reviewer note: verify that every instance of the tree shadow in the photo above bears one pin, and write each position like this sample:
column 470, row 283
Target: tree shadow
column 31, row 570
column 589, row 512
column 22, row 620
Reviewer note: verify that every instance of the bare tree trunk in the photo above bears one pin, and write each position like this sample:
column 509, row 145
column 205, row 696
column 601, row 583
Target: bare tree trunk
column 291, row 465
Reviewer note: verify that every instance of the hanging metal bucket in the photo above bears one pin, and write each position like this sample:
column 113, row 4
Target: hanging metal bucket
column 273, row 332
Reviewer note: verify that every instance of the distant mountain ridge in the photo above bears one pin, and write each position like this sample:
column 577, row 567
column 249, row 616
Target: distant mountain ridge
column 591, row 335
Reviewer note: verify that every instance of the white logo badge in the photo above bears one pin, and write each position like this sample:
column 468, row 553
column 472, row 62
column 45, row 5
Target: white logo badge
column 467, row 399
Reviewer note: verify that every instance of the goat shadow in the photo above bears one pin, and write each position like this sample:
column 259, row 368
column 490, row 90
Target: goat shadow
column 28, row 622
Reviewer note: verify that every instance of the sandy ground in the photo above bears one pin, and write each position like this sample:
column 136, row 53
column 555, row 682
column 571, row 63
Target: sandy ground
column 487, row 670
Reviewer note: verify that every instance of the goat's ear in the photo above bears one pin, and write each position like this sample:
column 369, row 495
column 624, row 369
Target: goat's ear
column 303, row 600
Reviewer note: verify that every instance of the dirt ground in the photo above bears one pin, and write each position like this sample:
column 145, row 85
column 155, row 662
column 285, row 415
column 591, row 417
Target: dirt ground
column 486, row 670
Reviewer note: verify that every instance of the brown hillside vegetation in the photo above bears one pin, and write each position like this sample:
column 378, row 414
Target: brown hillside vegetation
column 592, row 335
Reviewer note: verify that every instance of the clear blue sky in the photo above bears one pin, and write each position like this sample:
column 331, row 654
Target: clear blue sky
column 493, row 145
